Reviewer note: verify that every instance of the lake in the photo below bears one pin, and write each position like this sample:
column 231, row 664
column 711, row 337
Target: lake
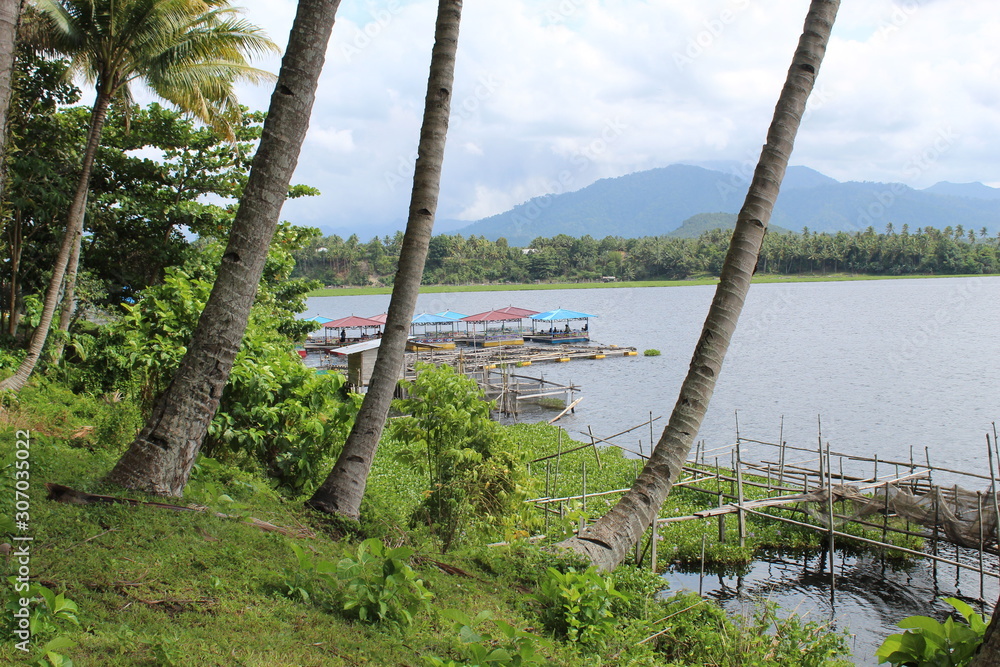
column 883, row 367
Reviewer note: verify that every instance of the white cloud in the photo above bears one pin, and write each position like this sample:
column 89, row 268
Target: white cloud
column 538, row 83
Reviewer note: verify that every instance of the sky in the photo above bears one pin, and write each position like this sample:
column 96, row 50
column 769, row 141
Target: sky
column 551, row 95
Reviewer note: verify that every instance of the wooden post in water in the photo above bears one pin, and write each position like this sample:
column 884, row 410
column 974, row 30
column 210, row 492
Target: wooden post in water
column 829, row 506
column 701, row 575
column 982, row 583
column 740, row 514
column 781, row 452
column 993, row 482
column 718, row 488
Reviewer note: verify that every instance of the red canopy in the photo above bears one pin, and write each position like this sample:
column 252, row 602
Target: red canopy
column 492, row 316
column 520, row 312
column 501, row 315
column 379, row 318
column 352, row 322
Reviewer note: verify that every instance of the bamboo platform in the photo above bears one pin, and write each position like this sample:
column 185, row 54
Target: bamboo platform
column 815, row 485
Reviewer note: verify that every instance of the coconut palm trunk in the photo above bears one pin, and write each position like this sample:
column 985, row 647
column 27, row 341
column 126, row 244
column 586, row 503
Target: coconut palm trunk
column 607, row 541
column 343, row 489
column 159, row 460
column 989, row 651
column 70, row 243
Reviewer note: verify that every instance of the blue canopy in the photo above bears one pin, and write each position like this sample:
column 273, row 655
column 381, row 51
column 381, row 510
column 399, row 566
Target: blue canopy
column 319, row 319
column 427, row 318
column 451, row 315
column 560, row 314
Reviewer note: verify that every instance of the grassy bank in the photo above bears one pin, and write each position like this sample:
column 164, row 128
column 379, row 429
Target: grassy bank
column 151, row 586
column 708, row 280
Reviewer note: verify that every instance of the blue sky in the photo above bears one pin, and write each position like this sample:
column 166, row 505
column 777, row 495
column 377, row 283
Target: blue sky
column 551, row 95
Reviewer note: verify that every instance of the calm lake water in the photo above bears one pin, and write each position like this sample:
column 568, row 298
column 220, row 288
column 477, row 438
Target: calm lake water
column 886, row 367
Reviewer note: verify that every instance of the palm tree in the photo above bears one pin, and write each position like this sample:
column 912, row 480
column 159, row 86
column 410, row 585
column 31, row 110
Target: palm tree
column 189, row 52
column 343, row 489
column 606, row 542
column 159, row 460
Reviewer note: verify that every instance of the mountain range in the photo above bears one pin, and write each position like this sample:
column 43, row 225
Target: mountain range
column 659, row 201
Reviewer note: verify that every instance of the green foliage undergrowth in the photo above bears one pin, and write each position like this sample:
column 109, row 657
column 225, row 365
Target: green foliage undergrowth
column 928, row 643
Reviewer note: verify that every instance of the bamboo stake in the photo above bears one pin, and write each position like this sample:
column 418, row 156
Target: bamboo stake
column 593, row 442
column 740, row 516
column 982, row 589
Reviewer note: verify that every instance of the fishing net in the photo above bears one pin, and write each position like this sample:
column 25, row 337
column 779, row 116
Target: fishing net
column 963, row 517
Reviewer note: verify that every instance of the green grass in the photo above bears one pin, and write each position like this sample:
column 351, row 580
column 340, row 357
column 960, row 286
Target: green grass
column 707, row 280
column 157, row 587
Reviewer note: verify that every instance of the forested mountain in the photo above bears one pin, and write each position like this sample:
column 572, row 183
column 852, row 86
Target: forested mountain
column 697, row 225
column 658, row 201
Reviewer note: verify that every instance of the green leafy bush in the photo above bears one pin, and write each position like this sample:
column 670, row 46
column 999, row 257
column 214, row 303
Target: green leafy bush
column 699, row 632
column 651, row 353
column 576, row 606
column 513, row 647
column 380, row 587
column 472, row 467
column 928, row 643
column 275, row 414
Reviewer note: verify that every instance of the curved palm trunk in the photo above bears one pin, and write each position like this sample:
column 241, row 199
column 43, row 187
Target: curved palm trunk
column 159, row 460
column 68, row 308
column 606, row 542
column 343, row 489
column 70, row 245
column 988, row 654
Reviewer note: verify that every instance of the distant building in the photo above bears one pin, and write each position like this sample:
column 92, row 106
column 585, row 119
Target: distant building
column 608, row 279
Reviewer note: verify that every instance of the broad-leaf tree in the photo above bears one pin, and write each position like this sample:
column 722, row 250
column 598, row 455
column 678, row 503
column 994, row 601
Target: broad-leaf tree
column 606, row 542
column 159, row 460
column 189, row 52
column 343, row 489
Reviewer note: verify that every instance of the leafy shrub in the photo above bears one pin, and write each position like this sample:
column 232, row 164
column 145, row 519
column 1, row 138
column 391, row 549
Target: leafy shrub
column 576, row 606
column 700, row 632
column 472, row 467
column 49, row 614
column 513, row 647
column 275, row 413
column 928, row 643
column 379, row 585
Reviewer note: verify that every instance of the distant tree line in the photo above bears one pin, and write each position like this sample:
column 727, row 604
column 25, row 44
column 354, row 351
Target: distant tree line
column 455, row 259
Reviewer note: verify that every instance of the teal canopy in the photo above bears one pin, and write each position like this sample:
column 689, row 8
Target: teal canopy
column 560, row 314
column 451, row 315
column 427, row 318
column 319, row 319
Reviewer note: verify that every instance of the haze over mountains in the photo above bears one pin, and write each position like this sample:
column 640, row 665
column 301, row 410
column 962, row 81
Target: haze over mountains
column 659, row 201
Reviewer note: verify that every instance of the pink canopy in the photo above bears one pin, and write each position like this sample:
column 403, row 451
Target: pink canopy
column 352, row 322
column 501, row 315
column 379, row 318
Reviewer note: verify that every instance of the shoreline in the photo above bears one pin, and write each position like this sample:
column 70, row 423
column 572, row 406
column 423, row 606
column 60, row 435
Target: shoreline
column 710, row 280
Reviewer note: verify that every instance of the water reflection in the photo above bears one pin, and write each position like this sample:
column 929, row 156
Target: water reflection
column 871, row 595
